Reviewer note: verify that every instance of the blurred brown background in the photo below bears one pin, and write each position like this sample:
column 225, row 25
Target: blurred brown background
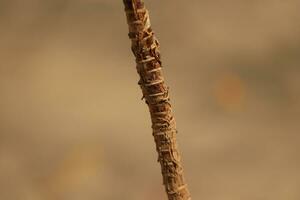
column 73, row 127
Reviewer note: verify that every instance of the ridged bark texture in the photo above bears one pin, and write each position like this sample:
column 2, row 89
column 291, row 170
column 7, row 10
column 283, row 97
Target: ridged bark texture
column 155, row 91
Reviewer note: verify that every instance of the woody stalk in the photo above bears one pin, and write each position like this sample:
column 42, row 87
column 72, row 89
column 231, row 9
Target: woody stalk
column 145, row 48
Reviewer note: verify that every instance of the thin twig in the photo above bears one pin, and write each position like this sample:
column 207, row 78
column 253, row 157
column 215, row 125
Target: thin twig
column 155, row 91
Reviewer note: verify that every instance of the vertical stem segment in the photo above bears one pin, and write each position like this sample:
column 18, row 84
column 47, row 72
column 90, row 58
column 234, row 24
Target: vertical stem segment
column 155, row 91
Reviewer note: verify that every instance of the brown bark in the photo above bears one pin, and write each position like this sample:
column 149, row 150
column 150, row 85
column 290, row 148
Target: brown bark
column 155, row 91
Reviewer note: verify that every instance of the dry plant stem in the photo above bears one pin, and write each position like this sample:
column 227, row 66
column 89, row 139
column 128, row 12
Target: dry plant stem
column 145, row 48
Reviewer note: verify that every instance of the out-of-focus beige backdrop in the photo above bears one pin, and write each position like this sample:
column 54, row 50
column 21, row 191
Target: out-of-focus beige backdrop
column 73, row 127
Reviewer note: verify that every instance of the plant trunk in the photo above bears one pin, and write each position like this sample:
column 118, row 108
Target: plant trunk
column 155, row 91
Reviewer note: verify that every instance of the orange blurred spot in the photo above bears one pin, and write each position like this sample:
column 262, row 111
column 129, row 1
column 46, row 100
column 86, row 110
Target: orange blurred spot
column 229, row 92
